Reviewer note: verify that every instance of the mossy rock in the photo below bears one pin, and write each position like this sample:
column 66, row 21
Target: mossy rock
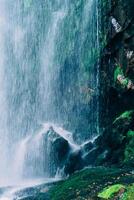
column 129, row 194
column 129, row 150
column 130, row 133
column 124, row 81
column 118, row 71
column 88, row 183
column 125, row 115
column 117, row 139
column 109, row 192
column 124, row 126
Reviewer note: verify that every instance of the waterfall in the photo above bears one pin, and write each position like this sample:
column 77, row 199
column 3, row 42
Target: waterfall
column 49, row 78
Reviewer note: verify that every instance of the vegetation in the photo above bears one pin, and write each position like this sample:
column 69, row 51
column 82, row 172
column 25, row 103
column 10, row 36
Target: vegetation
column 109, row 192
column 129, row 194
column 129, row 150
column 118, row 71
column 125, row 115
column 130, row 133
column 92, row 182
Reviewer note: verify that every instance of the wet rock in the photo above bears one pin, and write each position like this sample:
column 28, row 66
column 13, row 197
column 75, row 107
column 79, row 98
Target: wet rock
column 118, row 140
column 120, row 46
column 91, row 156
column 88, row 146
column 74, row 162
column 117, row 93
column 56, row 151
column 61, row 147
column 102, row 157
column 129, row 149
column 63, row 156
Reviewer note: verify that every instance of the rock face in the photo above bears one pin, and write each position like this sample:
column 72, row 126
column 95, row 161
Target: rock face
column 118, row 140
column 61, row 147
column 67, row 158
column 117, row 82
column 117, row 53
column 74, row 162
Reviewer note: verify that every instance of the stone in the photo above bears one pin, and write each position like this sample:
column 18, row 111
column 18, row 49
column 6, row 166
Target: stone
column 61, row 147
column 87, row 147
column 91, row 156
column 59, row 150
column 74, row 162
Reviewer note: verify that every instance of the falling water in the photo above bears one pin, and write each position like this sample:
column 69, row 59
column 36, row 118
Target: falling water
column 48, row 73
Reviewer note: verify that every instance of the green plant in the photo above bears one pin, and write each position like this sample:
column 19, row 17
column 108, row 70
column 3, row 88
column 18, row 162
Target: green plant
column 110, row 191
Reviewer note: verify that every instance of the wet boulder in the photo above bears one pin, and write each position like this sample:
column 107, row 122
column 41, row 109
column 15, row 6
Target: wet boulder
column 74, row 162
column 88, row 146
column 59, row 145
column 117, row 140
column 61, row 148
column 76, row 159
column 56, row 150
column 91, row 156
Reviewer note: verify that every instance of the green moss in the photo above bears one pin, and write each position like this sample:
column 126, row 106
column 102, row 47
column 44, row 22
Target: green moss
column 129, row 194
column 129, row 151
column 118, row 71
column 126, row 115
column 86, row 183
column 110, row 191
column 130, row 133
column 78, row 182
column 67, row 189
column 125, row 82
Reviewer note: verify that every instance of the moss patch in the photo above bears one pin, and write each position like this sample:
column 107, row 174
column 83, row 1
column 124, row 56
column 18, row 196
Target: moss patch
column 110, row 191
column 88, row 183
column 129, row 151
column 120, row 78
column 129, row 194
column 130, row 133
column 126, row 115
column 118, row 71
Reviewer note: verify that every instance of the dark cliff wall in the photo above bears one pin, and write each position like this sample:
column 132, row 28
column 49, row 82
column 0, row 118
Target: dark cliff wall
column 116, row 143
column 117, row 50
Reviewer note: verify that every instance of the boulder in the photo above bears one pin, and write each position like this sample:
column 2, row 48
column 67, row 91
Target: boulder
column 61, row 148
column 91, row 156
column 74, row 162
column 60, row 145
column 87, row 147
column 56, row 151
column 118, row 140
